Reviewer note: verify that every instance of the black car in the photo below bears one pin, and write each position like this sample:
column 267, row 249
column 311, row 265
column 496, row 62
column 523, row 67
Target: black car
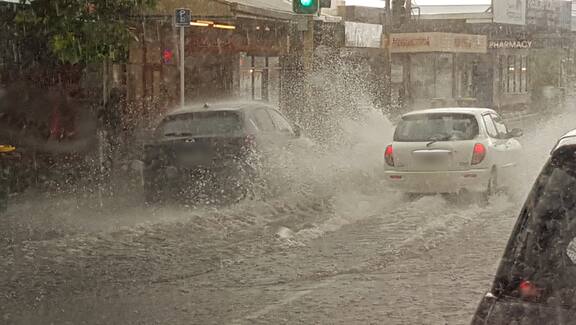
column 213, row 149
column 536, row 280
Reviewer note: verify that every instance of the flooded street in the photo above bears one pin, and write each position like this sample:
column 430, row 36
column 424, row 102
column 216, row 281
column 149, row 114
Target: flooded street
column 354, row 252
column 274, row 262
column 240, row 162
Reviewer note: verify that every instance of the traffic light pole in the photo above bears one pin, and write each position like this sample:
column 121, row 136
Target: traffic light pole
column 308, row 64
column 308, row 48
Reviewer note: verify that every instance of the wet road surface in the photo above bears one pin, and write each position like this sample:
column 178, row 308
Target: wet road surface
column 345, row 251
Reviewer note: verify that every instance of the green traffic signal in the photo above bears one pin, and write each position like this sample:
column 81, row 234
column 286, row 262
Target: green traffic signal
column 307, row 7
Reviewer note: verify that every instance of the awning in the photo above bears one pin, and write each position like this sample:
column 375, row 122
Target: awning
column 271, row 9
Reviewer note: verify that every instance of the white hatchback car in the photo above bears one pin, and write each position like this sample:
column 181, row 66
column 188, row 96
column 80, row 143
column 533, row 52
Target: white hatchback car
column 447, row 150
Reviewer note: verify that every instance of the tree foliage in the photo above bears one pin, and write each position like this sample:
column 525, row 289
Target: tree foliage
column 77, row 31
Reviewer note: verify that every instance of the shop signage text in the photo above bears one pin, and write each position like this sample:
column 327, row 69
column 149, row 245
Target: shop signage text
column 510, row 44
column 539, row 4
column 437, row 42
column 410, row 42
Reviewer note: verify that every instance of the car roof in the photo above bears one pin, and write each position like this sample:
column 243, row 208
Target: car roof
column 463, row 110
column 221, row 106
column 568, row 139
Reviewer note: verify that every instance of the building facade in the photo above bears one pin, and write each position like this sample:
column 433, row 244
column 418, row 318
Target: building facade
column 232, row 49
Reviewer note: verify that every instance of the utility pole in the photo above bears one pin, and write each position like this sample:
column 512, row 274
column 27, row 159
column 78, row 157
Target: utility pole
column 386, row 42
column 306, row 27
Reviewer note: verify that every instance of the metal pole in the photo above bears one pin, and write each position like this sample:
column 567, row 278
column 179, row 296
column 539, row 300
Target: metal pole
column 308, row 63
column 182, row 101
column 386, row 27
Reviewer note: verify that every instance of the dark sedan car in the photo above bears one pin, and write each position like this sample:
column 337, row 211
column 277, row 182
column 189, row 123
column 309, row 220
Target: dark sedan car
column 536, row 280
column 215, row 149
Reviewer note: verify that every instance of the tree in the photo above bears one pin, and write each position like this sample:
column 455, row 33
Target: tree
column 47, row 44
column 57, row 32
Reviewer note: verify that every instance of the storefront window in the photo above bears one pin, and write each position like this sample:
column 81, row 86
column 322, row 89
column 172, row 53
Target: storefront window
column 502, row 72
column 518, row 74
column 513, row 72
column 422, row 76
column 524, row 74
column 274, row 79
column 466, row 82
column 431, row 75
column 444, row 67
column 510, row 74
column 259, row 77
column 466, row 74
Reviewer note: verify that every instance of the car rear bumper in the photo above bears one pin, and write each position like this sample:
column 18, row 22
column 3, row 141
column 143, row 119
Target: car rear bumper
column 438, row 181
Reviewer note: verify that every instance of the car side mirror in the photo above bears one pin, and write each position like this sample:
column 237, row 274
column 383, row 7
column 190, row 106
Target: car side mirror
column 515, row 133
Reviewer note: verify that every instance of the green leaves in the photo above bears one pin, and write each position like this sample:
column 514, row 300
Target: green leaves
column 78, row 31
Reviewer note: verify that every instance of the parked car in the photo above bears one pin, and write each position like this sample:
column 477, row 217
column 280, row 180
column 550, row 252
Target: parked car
column 219, row 148
column 536, row 280
column 447, row 150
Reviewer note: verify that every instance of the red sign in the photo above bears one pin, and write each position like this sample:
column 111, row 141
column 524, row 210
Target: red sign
column 167, row 56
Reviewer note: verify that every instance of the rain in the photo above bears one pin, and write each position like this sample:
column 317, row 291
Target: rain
column 287, row 162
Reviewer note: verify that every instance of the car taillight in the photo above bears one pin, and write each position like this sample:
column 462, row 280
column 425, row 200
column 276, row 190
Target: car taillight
column 529, row 290
column 478, row 154
column 389, row 156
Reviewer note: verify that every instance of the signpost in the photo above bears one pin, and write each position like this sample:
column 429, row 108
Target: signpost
column 182, row 19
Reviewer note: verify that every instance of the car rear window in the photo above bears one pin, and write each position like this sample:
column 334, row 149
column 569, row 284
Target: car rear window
column 222, row 123
column 436, row 127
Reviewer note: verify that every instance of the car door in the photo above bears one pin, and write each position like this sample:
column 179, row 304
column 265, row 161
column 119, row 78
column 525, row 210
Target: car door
column 536, row 280
column 498, row 150
column 512, row 145
column 283, row 128
column 265, row 129
column 511, row 148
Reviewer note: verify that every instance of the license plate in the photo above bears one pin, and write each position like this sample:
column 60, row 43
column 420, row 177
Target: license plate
column 432, row 159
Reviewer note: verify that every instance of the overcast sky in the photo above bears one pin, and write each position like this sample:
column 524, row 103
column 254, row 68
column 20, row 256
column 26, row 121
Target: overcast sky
column 420, row 2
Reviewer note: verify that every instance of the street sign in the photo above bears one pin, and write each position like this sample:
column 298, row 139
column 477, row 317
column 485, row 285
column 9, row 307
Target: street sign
column 182, row 17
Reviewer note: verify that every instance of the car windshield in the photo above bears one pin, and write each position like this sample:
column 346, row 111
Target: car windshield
column 436, row 127
column 201, row 124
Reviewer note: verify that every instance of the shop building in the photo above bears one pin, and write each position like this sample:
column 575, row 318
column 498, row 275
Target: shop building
column 444, row 68
column 485, row 59
column 232, row 49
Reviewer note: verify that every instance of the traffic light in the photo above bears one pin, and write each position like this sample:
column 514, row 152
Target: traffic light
column 308, row 7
